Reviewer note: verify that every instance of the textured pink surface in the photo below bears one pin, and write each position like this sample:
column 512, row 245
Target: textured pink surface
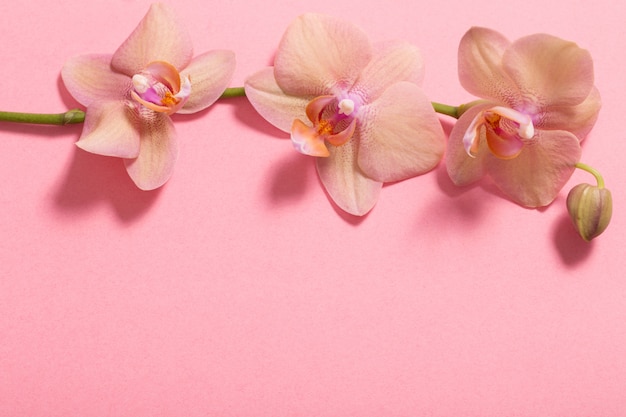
column 237, row 289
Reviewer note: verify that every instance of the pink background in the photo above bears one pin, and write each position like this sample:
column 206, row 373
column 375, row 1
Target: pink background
column 238, row 290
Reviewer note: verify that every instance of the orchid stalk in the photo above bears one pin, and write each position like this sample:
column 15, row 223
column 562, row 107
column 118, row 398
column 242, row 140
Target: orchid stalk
column 596, row 174
column 76, row 116
column 69, row 117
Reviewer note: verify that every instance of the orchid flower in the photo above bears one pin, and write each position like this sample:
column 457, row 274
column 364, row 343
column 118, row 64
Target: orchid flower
column 356, row 107
column 131, row 94
column 539, row 104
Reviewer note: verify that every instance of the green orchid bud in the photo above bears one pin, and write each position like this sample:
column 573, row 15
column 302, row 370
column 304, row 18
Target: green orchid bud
column 590, row 208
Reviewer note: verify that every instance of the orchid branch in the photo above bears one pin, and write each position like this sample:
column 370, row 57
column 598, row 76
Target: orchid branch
column 593, row 172
column 78, row 116
column 69, row 117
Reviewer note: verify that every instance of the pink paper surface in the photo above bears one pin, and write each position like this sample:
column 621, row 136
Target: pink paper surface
column 239, row 290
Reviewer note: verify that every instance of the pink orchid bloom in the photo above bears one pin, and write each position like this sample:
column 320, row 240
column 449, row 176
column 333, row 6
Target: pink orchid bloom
column 131, row 94
column 356, row 107
column 539, row 103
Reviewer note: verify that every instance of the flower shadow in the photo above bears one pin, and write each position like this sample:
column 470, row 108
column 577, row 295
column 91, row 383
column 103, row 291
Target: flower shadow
column 91, row 179
column 290, row 178
column 45, row 131
column 463, row 204
column 572, row 249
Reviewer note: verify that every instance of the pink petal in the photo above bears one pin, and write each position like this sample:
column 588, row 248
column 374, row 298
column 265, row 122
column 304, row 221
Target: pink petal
column 318, row 52
column 210, row 74
column 480, row 65
column 344, row 181
column 576, row 119
column 462, row 168
column 537, row 174
column 401, row 135
column 89, row 78
column 158, row 37
column 307, row 141
column 391, row 63
column 557, row 72
column 158, row 152
column 272, row 103
column 110, row 129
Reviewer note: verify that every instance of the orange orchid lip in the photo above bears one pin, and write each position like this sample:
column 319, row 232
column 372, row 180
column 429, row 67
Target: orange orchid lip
column 325, row 113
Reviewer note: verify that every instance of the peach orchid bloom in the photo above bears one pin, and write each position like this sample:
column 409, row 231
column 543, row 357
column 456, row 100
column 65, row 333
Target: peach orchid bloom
column 131, row 94
column 539, row 104
column 358, row 108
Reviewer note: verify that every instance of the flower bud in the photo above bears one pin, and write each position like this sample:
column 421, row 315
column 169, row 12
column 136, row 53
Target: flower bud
column 590, row 208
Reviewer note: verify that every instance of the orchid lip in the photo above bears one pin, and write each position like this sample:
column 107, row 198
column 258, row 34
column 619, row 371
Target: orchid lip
column 160, row 87
column 526, row 128
column 332, row 122
column 491, row 118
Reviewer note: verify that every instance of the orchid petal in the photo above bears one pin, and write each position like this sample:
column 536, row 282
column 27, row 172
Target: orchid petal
column 158, row 152
column 344, row 181
column 110, row 129
column 392, row 62
column 576, row 119
column 535, row 177
column 210, row 74
column 89, row 78
column 556, row 71
column 272, row 103
column 307, row 141
column 462, row 168
column 401, row 136
column 158, row 37
column 480, row 65
column 318, row 52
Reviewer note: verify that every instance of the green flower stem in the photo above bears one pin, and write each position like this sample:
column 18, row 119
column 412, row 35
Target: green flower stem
column 233, row 92
column 593, row 172
column 453, row 111
column 78, row 116
column 69, row 117
column 446, row 109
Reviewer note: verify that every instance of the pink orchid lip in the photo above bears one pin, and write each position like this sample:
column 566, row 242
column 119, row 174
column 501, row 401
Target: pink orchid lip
column 332, row 123
column 158, row 87
column 501, row 142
